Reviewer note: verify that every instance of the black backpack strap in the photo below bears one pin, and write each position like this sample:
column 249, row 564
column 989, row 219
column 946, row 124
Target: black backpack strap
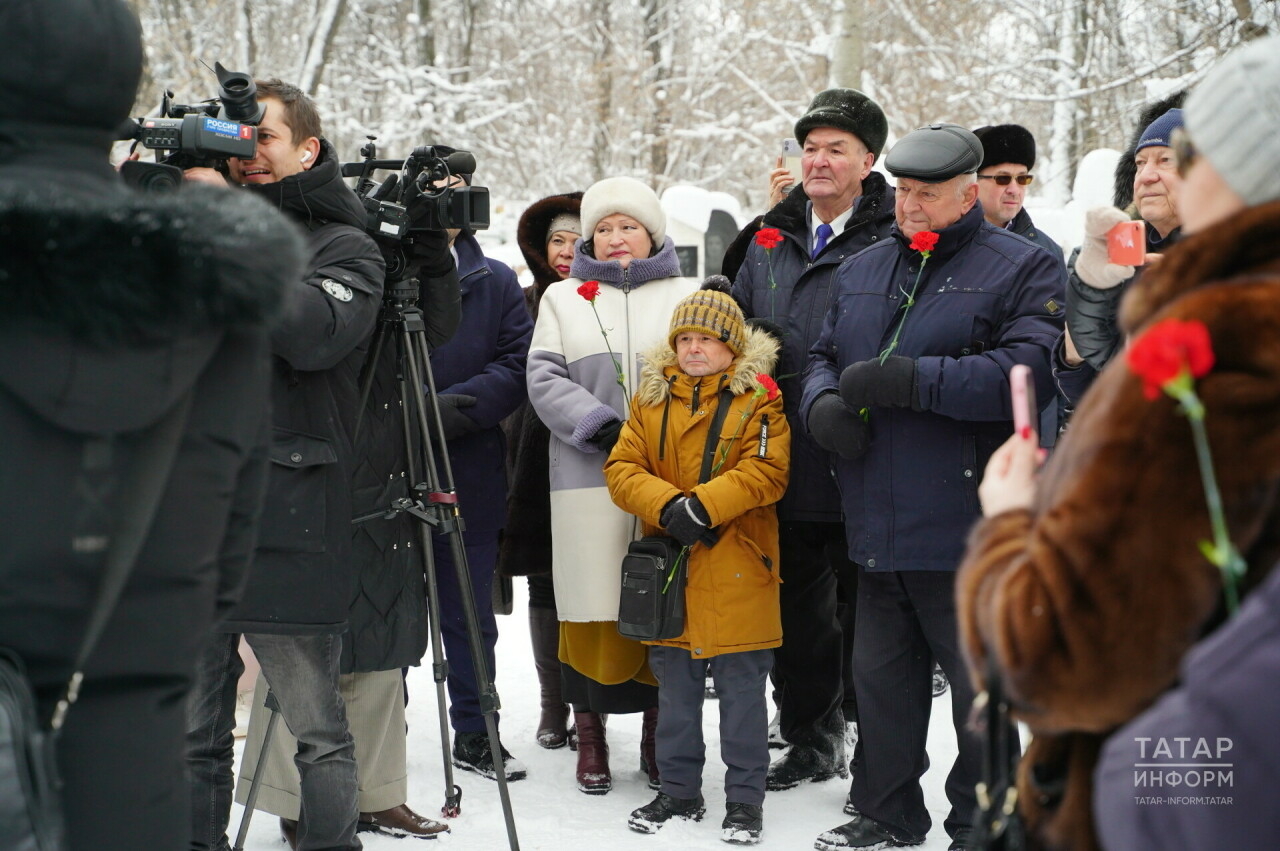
column 713, row 434
column 146, row 478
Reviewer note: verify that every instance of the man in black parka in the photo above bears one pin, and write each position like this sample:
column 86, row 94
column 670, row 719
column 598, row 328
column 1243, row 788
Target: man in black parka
column 116, row 306
column 294, row 608
column 842, row 208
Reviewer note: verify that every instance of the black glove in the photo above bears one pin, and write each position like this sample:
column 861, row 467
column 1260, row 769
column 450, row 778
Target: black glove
column 687, row 521
column 606, row 436
column 429, row 253
column 870, row 384
column 773, row 329
column 455, row 422
column 837, row 429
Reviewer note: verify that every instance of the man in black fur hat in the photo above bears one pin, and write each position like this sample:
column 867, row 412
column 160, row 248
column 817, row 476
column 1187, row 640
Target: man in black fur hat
column 119, row 310
column 841, row 207
column 1008, row 156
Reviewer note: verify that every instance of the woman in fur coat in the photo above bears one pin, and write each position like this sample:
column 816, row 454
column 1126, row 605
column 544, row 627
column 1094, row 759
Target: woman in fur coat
column 1083, row 590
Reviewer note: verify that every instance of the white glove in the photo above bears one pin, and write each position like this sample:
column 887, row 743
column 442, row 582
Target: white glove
column 1092, row 265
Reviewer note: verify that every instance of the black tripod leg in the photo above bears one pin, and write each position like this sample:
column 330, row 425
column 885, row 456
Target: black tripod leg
column 273, row 707
column 444, row 500
column 411, row 405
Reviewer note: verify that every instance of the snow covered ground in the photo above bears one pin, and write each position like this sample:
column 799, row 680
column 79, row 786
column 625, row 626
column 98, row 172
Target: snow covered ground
column 552, row 815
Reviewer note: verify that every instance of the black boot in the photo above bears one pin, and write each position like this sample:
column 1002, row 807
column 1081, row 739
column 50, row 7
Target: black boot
column 743, row 824
column 544, row 630
column 656, row 813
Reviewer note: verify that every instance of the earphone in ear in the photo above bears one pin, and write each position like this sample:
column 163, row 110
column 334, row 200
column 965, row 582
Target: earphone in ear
column 306, row 155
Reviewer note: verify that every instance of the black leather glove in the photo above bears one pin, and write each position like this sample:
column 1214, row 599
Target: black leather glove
column 773, row 329
column 606, row 437
column 837, row 429
column 687, row 521
column 455, row 422
column 429, row 252
column 870, row 384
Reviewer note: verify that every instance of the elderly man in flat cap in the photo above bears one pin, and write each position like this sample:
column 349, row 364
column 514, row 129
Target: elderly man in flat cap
column 908, row 387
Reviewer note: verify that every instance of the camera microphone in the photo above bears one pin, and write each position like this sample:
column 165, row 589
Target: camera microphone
column 461, row 162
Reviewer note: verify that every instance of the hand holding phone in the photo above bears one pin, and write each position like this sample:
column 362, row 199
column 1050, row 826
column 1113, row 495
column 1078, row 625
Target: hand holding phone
column 1127, row 243
column 1022, row 389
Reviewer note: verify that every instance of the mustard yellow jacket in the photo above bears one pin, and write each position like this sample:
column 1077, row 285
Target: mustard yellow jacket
column 731, row 599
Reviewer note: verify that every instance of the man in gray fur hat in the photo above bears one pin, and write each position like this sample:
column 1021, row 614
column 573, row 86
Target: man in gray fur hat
column 907, row 386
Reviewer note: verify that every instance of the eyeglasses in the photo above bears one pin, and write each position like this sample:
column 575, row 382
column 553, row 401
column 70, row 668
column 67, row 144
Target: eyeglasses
column 1006, row 179
column 1183, row 150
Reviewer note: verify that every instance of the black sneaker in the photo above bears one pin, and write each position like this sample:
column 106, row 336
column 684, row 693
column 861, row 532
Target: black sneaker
column 801, row 764
column 940, row 682
column 960, row 842
column 471, row 752
column 863, row 833
column 656, row 813
column 742, row 824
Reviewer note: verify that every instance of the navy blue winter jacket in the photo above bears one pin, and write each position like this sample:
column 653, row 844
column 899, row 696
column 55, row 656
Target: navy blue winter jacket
column 485, row 359
column 988, row 299
column 799, row 303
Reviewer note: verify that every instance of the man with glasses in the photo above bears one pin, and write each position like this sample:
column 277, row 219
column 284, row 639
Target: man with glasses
column 1008, row 155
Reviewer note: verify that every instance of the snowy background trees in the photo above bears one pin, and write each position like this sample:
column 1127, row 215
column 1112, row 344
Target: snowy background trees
column 552, row 95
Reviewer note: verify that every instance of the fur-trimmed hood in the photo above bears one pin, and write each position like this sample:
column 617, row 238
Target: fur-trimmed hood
column 759, row 355
column 531, row 234
column 121, row 280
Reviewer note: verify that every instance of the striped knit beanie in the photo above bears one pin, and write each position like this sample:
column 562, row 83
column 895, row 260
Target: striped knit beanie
column 713, row 313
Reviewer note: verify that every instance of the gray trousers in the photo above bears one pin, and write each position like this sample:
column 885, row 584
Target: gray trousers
column 744, row 721
column 375, row 711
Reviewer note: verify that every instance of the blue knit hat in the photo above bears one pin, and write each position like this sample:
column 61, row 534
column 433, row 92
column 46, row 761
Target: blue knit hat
column 1160, row 131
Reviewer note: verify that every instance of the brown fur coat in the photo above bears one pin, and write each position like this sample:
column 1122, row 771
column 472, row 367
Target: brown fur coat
column 1086, row 602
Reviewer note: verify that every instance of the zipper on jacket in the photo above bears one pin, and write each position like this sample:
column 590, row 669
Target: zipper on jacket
column 666, row 409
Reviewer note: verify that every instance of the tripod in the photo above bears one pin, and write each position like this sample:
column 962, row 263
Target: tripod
column 432, row 500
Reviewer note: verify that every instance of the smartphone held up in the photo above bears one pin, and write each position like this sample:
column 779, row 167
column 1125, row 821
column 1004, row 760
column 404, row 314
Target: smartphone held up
column 791, row 153
column 1127, row 243
column 1022, row 389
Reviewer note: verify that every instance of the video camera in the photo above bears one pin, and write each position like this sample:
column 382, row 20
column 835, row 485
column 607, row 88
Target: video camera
column 201, row 135
column 410, row 202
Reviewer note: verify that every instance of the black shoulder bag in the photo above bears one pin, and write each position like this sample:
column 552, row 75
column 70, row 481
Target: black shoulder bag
column 651, row 606
column 31, row 817
column 997, row 823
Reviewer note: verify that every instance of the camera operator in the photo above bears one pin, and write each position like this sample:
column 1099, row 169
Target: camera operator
column 294, row 608
column 120, row 309
column 479, row 376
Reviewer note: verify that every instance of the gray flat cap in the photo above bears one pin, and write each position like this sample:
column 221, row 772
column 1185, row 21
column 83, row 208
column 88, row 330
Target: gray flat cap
column 935, row 153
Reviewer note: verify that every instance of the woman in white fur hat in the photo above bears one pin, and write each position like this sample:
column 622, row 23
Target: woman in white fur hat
column 576, row 386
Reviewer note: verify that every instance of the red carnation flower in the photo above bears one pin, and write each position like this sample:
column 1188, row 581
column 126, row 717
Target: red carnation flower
column 923, row 241
column 768, row 386
column 768, row 238
column 1168, row 350
column 589, row 290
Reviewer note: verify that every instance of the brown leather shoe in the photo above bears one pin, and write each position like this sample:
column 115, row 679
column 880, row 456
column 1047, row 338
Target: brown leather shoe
column 401, row 821
column 289, row 832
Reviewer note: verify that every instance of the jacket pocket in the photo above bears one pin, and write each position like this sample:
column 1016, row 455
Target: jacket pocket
column 768, row 567
column 294, row 516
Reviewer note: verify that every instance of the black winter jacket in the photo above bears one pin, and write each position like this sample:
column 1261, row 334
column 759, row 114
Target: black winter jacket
column 303, row 576
column 115, row 305
column 799, row 304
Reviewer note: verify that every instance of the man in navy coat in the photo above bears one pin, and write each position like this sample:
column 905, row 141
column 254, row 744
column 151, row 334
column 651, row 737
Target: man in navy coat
column 908, row 385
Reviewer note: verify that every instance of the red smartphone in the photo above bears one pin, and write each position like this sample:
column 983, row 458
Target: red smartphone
column 1026, row 415
column 1127, row 243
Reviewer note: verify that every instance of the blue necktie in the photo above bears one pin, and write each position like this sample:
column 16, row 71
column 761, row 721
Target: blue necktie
column 824, row 233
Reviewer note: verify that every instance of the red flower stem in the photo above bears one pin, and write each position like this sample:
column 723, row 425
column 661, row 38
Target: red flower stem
column 911, row 300
column 1227, row 559
column 617, row 367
